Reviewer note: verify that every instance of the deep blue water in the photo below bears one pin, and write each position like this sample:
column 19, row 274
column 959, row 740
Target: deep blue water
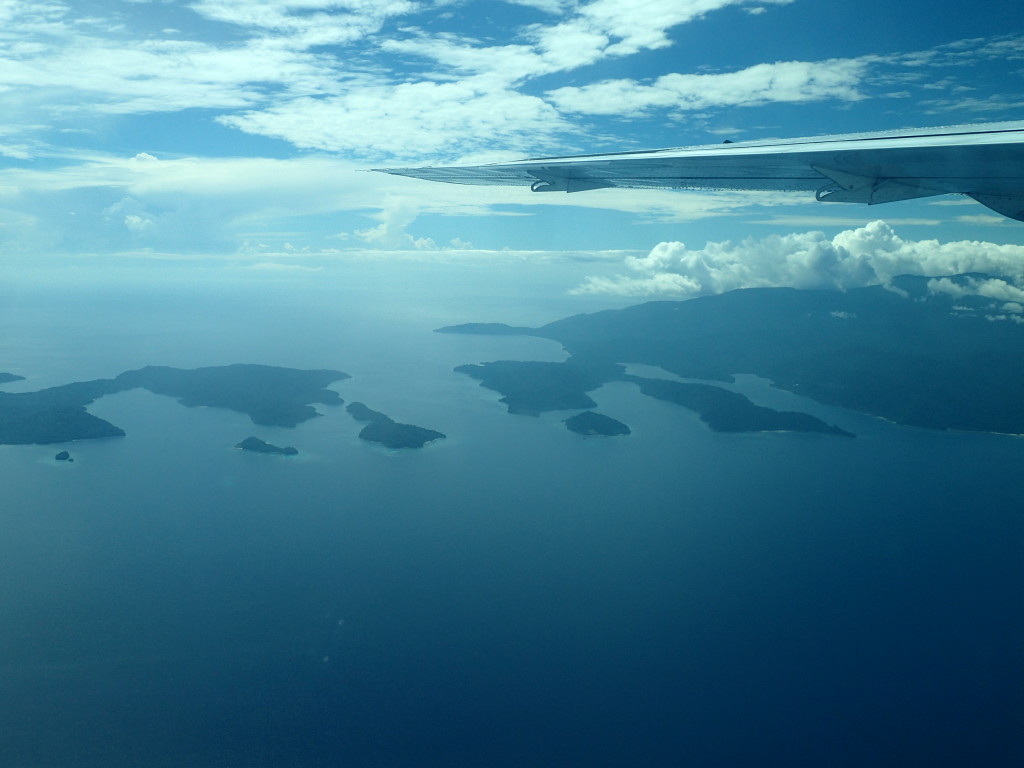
column 514, row 595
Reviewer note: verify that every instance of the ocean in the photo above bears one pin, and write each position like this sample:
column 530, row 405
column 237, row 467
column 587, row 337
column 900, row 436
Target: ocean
column 514, row 595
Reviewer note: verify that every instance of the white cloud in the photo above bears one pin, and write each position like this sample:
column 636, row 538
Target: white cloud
column 138, row 223
column 786, row 81
column 474, row 101
column 548, row 6
column 992, row 288
column 307, row 23
column 85, row 74
column 870, row 255
column 621, row 27
column 823, row 219
column 411, row 120
column 354, row 76
column 984, row 219
column 323, row 183
column 275, row 266
column 390, row 233
column 1011, row 317
column 501, row 64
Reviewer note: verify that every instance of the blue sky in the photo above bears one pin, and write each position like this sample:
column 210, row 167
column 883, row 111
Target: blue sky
column 240, row 130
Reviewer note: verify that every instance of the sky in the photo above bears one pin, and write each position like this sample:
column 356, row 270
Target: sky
column 240, row 132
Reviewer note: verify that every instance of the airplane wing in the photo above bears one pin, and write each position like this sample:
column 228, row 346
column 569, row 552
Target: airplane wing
column 985, row 162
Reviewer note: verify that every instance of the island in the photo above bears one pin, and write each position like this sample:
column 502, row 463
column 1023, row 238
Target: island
column 389, row 433
column 269, row 395
column 54, row 415
column 256, row 445
column 927, row 352
column 725, row 411
column 6, row 378
column 531, row 387
column 361, row 412
column 590, row 423
column 63, row 456
column 488, row 329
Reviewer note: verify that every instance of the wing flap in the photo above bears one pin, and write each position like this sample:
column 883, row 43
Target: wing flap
column 853, row 188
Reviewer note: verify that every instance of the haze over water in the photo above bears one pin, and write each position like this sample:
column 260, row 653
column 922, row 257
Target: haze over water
column 513, row 595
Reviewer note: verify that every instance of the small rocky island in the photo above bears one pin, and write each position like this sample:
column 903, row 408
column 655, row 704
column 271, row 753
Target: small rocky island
column 268, row 395
column 389, row 433
column 590, row 423
column 256, row 445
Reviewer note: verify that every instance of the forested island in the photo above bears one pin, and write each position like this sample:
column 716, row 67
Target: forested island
column 256, row 445
column 389, row 433
column 269, row 395
column 941, row 353
column 530, row 388
column 590, row 423
column 931, row 352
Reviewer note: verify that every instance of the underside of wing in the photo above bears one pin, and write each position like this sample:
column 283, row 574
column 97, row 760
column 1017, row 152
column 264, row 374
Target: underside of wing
column 985, row 162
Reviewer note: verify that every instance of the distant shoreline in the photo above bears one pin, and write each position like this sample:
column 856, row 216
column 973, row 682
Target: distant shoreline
column 900, row 352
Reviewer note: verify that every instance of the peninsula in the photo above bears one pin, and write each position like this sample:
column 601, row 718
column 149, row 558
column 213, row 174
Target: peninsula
column 268, row 395
column 389, row 433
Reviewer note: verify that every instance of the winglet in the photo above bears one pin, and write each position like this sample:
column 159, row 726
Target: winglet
column 853, row 188
column 552, row 183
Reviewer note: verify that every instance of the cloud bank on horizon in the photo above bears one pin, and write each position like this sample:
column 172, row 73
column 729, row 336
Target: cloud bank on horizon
column 237, row 126
column 870, row 255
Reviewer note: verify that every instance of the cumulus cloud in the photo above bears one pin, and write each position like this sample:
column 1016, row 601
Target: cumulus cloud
column 137, row 223
column 869, row 255
column 989, row 287
column 390, row 234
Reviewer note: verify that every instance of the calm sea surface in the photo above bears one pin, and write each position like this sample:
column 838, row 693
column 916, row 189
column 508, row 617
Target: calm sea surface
column 515, row 595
